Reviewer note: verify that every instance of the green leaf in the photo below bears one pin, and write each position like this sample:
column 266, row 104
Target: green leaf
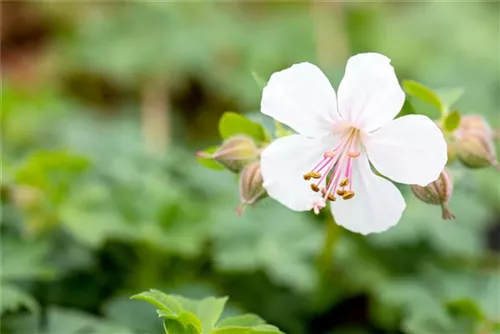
column 204, row 158
column 208, row 310
column 161, row 300
column 247, row 320
column 188, row 320
column 452, row 121
column 14, row 298
column 261, row 83
column 232, row 330
column 423, row 93
column 232, row 124
column 265, row 329
column 466, row 306
column 174, row 327
column 259, row 329
column 407, row 109
column 449, row 96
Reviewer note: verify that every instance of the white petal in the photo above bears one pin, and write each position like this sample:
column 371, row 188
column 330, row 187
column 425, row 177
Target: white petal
column 377, row 205
column 283, row 164
column 302, row 98
column 410, row 149
column 369, row 95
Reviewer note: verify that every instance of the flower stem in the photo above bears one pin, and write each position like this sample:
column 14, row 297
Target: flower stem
column 331, row 236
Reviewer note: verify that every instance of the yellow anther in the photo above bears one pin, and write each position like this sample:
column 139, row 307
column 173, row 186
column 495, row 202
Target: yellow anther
column 344, row 182
column 340, row 192
column 353, row 154
column 348, row 195
column 315, row 175
column 331, row 197
column 329, row 154
column 314, row 187
column 307, row 176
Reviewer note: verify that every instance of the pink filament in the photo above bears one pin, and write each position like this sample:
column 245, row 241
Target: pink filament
column 337, row 165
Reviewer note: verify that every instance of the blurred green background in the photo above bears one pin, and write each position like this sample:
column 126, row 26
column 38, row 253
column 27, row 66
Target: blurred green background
column 103, row 107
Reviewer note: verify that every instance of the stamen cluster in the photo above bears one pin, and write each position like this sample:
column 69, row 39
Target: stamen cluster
column 335, row 169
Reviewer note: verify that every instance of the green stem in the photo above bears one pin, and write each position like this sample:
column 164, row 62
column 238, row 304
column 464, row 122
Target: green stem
column 331, row 237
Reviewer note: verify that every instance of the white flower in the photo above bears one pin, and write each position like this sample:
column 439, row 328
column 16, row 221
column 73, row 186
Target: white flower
column 329, row 158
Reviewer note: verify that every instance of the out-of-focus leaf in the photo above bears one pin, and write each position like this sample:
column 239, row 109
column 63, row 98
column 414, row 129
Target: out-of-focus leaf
column 54, row 172
column 452, row 121
column 449, row 96
column 423, row 222
column 232, row 124
column 24, row 259
column 272, row 238
column 423, row 93
column 60, row 320
column 466, row 306
column 14, row 298
column 20, row 323
column 261, row 83
column 126, row 312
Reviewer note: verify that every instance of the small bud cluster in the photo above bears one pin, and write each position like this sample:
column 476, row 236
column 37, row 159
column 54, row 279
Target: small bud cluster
column 472, row 143
column 240, row 154
column 437, row 193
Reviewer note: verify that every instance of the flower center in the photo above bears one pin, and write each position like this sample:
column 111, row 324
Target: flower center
column 336, row 169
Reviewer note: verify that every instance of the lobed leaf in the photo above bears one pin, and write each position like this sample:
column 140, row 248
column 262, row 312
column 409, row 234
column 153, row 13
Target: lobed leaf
column 161, row 300
column 232, row 124
column 423, row 93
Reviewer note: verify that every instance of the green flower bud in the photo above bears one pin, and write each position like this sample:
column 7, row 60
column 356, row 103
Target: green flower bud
column 437, row 193
column 476, row 151
column 251, row 186
column 235, row 153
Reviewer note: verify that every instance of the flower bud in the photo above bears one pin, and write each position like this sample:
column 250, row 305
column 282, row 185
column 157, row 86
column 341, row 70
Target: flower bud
column 474, row 124
column 474, row 143
column 476, row 151
column 437, row 193
column 235, row 153
column 251, row 186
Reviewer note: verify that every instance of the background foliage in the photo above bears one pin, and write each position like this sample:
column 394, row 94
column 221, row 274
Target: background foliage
column 103, row 107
